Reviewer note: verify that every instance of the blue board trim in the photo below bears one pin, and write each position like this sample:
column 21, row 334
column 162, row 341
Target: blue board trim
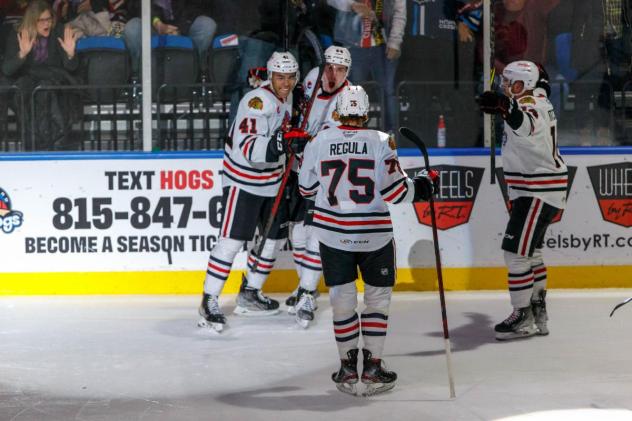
column 571, row 150
column 88, row 156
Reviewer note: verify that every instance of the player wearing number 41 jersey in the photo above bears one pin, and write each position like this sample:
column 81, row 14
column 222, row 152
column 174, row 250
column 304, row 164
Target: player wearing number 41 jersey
column 254, row 160
column 537, row 181
column 352, row 173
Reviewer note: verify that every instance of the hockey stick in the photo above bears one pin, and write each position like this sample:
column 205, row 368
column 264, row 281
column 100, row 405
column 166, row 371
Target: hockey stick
column 290, row 161
column 492, row 141
column 621, row 304
column 410, row 135
column 488, row 69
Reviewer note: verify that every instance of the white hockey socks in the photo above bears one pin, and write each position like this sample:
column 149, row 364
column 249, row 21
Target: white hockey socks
column 265, row 263
column 539, row 272
column 219, row 264
column 374, row 319
column 311, row 264
column 520, row 279
column 298, row 236
column 344, row 301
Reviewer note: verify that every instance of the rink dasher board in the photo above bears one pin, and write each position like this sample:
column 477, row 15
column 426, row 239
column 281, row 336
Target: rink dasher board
column 144, row 223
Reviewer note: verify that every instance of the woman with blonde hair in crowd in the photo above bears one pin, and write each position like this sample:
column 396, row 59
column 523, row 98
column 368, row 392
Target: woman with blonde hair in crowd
column 33, row 43
column 42, row 52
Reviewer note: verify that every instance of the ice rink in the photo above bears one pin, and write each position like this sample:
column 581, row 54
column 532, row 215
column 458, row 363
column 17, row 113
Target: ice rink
column 143, row 358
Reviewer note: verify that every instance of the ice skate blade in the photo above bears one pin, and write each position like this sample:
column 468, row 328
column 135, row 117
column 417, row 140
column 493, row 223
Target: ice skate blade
column 348, row 388
column 542, row 331
column 377, row 388
column 214, row 327
column 508, row 336
column 243, row 311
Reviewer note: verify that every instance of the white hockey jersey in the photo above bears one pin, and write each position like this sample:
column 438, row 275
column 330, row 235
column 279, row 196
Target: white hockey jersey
column 532, row 164
column 353, row 173
column 259, row 114
column 321, row 115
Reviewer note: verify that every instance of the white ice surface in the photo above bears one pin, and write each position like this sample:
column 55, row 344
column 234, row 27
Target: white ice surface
column 142, row 357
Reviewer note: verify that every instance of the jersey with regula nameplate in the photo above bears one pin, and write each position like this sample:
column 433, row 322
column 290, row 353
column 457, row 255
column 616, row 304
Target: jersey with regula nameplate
column 353, row 173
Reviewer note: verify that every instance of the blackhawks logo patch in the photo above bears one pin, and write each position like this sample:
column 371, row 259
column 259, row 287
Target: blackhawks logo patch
column 391, row 142
column 255, row 103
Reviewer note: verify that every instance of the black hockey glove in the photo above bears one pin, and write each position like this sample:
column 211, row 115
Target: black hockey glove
column 494, row 103
column 426, row 184
column 299, row 104
column 292, row 141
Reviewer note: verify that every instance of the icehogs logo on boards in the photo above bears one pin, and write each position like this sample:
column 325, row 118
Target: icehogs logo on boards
column 612, row 184
column 454, row 203
column 503, row 189
column 9, row 219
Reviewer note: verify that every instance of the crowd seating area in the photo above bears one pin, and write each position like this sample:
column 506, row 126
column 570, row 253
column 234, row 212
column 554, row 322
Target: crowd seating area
column 191, row 112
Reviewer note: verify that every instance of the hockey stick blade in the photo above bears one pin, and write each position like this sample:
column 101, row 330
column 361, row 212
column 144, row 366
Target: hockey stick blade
column 621, row 304
column 412, row 136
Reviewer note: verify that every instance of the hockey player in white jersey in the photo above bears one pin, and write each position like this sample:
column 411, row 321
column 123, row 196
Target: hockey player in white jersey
column 254, row 159
column 322, row 115
column 537, row 180
column 352, row 173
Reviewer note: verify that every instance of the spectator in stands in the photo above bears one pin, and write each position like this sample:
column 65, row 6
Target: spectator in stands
column 172, row 17
column 86, row 17
column 258, row 45
column 374, row 38
column 12, row 9
column 520, row 29
column 11, row 12
column 41, row 52
column 601, row 55
column 520, row 33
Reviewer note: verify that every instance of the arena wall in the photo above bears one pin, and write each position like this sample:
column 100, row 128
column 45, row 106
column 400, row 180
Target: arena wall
column 140, row 223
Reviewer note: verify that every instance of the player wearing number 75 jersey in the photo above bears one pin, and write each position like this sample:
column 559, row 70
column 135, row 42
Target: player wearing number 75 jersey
column 353, row 173
column 537, row 180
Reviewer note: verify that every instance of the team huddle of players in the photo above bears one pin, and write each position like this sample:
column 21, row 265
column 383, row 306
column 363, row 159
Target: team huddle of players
column 335, row 208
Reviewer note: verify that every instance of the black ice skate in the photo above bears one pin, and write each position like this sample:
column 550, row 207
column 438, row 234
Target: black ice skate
column 519, row 324
column 538, row 306
column 305, row 308
column 347, row 377
column 376, row 376
column 292, row 300
column 213, row 317
column 252, row 302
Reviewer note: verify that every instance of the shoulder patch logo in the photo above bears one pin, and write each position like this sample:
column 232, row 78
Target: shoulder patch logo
column 391, row 142
column 255, row 103
column 526, row 100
